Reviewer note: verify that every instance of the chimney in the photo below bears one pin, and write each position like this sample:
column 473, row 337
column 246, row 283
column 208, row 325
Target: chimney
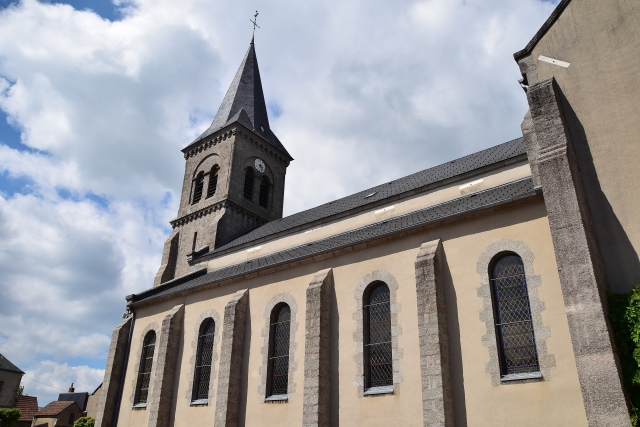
column 71, row 389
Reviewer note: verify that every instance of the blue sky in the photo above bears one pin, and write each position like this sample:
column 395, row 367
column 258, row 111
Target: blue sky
column 96, row 102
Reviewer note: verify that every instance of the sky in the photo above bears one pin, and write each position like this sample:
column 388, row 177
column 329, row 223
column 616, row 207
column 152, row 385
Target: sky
column 97, row 98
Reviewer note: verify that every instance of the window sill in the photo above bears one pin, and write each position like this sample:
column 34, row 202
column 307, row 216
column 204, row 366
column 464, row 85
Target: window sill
column 520, row 377
column 140, row 406
column 372, row 391
column 277, row 398
column 200, row 402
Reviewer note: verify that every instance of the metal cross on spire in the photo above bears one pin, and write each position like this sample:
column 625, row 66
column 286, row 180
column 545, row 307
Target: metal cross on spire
column 255, row 24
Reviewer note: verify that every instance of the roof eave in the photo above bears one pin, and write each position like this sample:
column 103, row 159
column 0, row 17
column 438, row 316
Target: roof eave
column 147, row 297
column 542, row 31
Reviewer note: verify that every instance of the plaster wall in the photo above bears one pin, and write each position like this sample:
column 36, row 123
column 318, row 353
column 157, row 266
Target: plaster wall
column 478, row 401
column 600, row 39
column 11, row 382
column 430, row 198
column 92, row 403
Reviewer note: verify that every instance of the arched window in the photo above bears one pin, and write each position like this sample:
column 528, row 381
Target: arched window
column 377, row 336
column 249, row 177
column 202, row 374
column 512, row 315
column 265, row 185
column 146, row 364
column 278, row 368
column 213, row 181
column 197, row 189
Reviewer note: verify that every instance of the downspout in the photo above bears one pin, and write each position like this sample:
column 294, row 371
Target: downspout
column 116, row 411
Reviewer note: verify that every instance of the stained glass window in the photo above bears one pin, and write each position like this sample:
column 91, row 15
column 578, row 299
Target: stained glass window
column 514, row 326
column 202, row 375
column 146, row 363
column 278, row 370
column 377, row 336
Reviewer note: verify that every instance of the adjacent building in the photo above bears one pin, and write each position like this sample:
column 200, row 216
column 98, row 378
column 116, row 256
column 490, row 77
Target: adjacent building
column 28, row 406
column 468, row 294
column 10, row 378
column 57, row 414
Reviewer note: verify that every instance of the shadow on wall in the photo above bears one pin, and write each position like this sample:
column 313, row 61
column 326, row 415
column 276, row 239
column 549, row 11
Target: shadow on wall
column 335, row 358
column 244, row 385
column 621, row 263
column 176, row 376
column 455, row 350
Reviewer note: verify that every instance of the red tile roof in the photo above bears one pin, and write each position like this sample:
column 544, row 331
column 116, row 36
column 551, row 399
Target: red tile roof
column 54, row 408
column 28, row 405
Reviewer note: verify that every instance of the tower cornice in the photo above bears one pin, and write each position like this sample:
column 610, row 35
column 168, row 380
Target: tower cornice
column 239, row 130
column 215, row 207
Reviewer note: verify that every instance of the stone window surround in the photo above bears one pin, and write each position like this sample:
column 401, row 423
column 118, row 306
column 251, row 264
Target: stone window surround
column 213, row 314
column 541, row 333
column 397, row 353
column 293, row 346
column 205, row 176
column 150, row 327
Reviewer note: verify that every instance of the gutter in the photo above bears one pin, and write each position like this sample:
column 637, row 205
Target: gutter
column 125, row 362
column 236, row 271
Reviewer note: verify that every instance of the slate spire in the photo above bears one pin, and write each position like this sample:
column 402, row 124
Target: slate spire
column 244, row 103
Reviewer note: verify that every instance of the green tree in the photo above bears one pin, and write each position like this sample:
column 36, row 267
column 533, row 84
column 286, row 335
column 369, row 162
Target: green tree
column 624, row 314
column 9, row 416
column 20, row 391
column 84, row 422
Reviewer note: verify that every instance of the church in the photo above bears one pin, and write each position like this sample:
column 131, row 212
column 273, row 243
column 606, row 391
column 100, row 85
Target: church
column 472, row 293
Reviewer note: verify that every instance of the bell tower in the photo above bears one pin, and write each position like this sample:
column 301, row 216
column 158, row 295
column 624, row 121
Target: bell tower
column 234, row 176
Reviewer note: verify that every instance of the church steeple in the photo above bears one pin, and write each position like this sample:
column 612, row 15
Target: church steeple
column 244, row 103
column 234, row 176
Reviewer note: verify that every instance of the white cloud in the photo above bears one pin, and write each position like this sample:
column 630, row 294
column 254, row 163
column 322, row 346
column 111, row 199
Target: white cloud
column 55, row 378
column 368, row 91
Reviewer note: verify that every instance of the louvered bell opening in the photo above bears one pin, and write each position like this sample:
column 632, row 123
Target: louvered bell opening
column 197, row 191
column 514, row 325
column 203, row 360
column 249, row 177
column 264, row 192
column 378, row 352
column 146, row 364
column 213, row 182
column 279, row 358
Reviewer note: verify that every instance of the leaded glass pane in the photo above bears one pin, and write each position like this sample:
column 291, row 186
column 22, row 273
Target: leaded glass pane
column 203, row 360
column 279, row 352
column 514, row 326
column 146, row 364
column 378, row 352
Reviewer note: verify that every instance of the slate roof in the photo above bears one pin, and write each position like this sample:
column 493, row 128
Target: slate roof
column 28, row 405
column 511, row 150
column 473, row 202
column 6, row 365
column 55, row 408
column 244, row 103
column 79, row 398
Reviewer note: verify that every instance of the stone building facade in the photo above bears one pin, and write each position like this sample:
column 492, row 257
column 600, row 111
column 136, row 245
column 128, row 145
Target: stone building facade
column 468, row 294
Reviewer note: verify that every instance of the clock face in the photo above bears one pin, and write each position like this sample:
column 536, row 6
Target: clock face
column 260, row 167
